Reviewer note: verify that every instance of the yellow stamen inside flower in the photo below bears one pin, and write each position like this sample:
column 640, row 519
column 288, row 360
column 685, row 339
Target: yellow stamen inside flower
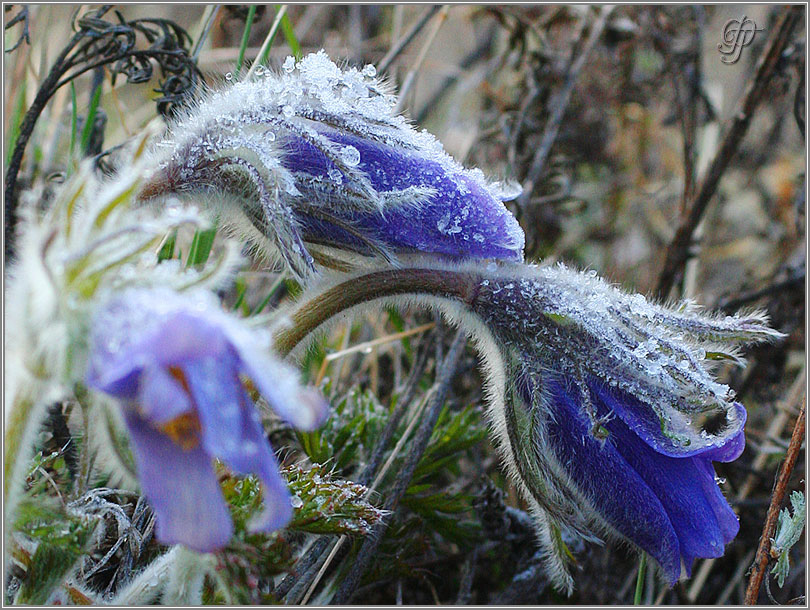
column 184, row 429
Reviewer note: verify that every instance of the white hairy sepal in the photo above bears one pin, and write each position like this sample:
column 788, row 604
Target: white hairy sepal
column 580, row 326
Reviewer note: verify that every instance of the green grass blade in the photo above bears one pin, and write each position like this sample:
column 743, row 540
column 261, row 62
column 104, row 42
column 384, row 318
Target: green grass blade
column 200, row 248
column 245, row 37
column 289, row 35
column 167, row 250
column 264, row 52
column 642, row 573
column 17, row 114
column 87, row 130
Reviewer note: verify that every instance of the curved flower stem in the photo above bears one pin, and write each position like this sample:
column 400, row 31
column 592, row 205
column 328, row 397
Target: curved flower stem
column 436, row 282
column 763, row 552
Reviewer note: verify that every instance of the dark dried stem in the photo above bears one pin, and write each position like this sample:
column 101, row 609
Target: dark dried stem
column 558, row 105
column 678, row 250
column 46, row 90
column 309, row 564
column 763, row 551
column 420, row 442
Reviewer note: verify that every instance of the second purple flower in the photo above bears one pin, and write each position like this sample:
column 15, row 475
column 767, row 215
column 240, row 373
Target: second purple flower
column 175, row 362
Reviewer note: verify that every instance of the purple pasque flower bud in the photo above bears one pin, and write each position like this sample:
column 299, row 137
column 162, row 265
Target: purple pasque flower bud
column 610, row 416
column 312, row 164
column 174, row 362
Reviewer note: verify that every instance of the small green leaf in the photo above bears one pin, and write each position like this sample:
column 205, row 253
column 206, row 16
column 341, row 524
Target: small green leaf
column 200, row 248
column 289, row 35
column 245, row 38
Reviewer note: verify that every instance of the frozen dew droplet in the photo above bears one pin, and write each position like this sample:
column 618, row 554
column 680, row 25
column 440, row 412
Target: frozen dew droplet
column 289, row 64
column 296, row 502
column 269, row 135
column 228, row 76
column 335, row 176
column 259, row 71
column 369, row 71
column 350, row 155
column 287, row 111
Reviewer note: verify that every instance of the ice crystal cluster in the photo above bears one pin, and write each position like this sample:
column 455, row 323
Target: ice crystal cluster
column 312, row 163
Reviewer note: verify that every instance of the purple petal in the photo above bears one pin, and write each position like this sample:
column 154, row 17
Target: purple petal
column 160, row 397
column 641, row 418
column 302, row 407
column 616, row 490
column 233, row 433
column 703, row 520
column 182, row 488
column 462, row 219
column 619, row 477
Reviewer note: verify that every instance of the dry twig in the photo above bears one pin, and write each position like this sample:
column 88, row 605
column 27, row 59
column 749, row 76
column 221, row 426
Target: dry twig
column 678, row 250
column 763, row 552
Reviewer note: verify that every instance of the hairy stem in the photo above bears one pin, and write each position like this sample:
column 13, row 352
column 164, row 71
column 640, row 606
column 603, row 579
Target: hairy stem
column 379, row 284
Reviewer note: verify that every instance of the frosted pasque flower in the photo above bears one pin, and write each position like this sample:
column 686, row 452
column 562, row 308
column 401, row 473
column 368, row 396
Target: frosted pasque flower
column 611, row 416
column 604, row 407
column 312, row 162
column 174, row 362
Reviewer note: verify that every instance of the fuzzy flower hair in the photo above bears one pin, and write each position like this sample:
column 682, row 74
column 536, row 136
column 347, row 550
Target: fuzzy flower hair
column 313, row 165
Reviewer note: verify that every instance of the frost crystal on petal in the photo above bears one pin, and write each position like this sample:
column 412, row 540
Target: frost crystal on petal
column 312, row 165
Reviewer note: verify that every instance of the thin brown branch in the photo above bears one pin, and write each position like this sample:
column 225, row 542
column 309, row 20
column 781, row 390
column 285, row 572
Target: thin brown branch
column 418, row 445
column 558, row 105
column 678, row 250
column 403, row 42
column 763, row 552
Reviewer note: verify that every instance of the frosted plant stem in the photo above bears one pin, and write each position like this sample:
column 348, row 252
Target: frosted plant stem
column 389, row 283
column 149, row 584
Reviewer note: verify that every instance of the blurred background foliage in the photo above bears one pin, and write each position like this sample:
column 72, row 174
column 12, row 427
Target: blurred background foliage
column 647, row 112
